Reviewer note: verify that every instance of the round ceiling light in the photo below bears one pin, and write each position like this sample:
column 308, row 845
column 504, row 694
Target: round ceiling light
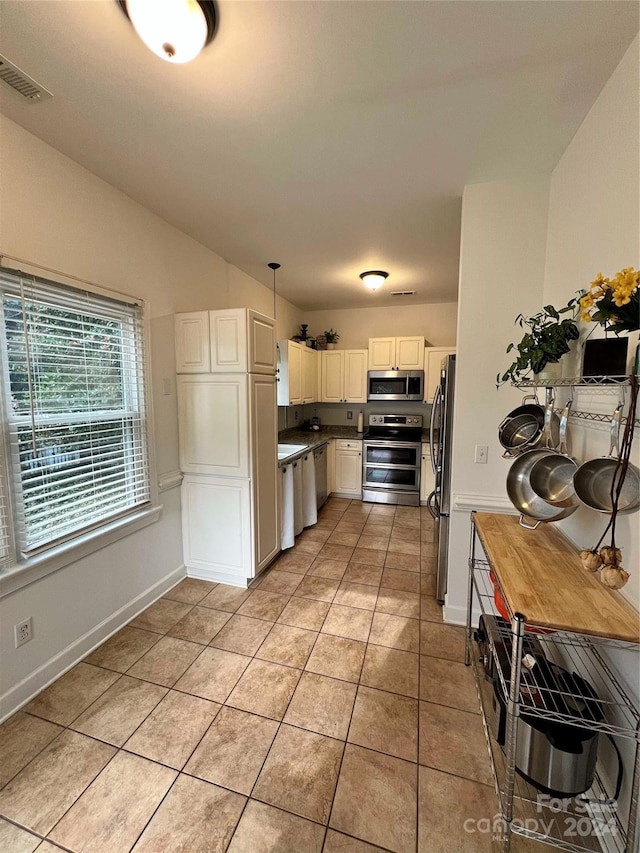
column 175, row 30
column 373, row 279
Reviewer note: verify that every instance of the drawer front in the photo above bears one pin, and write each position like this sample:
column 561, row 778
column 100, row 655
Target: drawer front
column 344, row 444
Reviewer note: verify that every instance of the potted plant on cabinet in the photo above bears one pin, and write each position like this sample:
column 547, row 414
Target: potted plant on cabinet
column 332, row 338
column 545, row 342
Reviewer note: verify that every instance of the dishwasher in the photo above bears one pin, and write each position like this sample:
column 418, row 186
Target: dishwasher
column 320, row 460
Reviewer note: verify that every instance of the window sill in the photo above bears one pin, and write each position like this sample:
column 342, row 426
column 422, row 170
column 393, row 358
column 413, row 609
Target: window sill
column 56, row 558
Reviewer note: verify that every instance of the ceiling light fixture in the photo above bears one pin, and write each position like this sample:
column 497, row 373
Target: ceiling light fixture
column 175, row 30
column 373, row 279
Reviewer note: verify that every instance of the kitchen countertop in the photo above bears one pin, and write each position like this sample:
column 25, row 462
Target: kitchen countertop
column 313, row 438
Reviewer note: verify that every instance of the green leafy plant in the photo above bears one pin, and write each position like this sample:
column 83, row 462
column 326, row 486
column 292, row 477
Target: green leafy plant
column 545, row 341
column 332, row 336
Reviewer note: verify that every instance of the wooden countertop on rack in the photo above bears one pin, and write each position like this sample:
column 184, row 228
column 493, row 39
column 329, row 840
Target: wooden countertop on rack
column 542, row 577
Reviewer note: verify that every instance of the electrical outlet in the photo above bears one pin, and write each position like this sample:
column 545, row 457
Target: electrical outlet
column 349, row 416
column 295, row 415
column 482, row 453
column 23, row 632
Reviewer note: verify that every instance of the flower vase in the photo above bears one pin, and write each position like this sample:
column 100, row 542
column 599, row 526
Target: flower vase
column 330, row 345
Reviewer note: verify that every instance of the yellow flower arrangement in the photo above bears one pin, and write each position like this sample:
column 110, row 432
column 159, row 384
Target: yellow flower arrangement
column 616, row 301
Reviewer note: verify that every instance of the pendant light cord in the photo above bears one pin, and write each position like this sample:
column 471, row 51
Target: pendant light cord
column 274, row 266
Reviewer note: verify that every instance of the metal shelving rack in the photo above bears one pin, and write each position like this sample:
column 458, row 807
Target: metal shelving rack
column 570, row 823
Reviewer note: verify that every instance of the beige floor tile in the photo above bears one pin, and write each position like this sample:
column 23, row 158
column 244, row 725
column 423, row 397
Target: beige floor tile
column 308, row 547
column 399, row 603
column 22, row 737
column 376, row 543
column 200, row 625
column 381, row 510
column 283, row 582
column 214, row 674
column 166, row 661
column 449, row 683
column 288, row 646
column 300, row 773
column 442, row 641
column 395, row 632
column 320, row 589
column 337, row 657
column 351, row 622
column 226, row 598
column 233, row 751
column 454, row 741
column 71, row 694
column 194, row 816
column 16, row 840
column 242, row 634
column 116, row 714
column 406, row 534
column 405, row 562
column 173, row 729
column 314, row 534
column 378, row 526
column 304, row 613
column 41, row 793
column 362, row 573
column 356, row 595
column 336, row 842
column 325, row 568
column 430, row 610
column 376, row 800
column 405, row 581
column 407, row 517
column 322, row 705
column 392, row 670
column 369, row 556
column 114, row 809
column 123, row 649
column 264, row 605
column 265, row 688
column 385, row 722
column 402, row 546
column 190, row 590
column 264, row 829
column 428, row 583
column 341, row 538
column 349, row 526
column 161, row 616
column 446, row 805
column 331, row 551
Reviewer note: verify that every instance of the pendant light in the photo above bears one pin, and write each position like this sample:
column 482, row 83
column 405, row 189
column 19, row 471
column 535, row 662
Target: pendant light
column 373, row 279
column 175, row 30
column 274, row 266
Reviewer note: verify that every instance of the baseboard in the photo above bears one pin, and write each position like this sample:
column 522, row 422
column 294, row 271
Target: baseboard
column 39, row 679
column 218, row 577
column 458, row 615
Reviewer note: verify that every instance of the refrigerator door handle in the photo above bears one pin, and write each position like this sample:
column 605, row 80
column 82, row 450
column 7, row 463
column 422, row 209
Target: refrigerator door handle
column 432, row 502
column 434, row 407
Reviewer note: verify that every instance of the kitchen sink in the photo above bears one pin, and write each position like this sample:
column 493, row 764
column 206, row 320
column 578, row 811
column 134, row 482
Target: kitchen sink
column 285, row 450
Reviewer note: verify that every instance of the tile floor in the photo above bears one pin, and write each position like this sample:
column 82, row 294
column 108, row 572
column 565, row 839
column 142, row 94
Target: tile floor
column 325, row 709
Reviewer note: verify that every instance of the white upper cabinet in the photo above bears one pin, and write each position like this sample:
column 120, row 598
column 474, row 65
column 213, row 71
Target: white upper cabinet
column 192, row 342
column 404, row 353
column 343, row 376
column 237, row 340
column 309, row 375
column 289, row 373
column 432, row 363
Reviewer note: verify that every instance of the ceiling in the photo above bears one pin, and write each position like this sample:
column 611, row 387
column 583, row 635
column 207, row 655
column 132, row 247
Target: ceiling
column 333, row 137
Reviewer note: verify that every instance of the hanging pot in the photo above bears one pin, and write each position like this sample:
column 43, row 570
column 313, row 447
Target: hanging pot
column 593, row 479
column 552, row 475
column 521, row 430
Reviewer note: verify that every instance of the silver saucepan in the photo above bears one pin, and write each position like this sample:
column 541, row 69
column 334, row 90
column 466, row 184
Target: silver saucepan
column 593, row 479
column 552, row 475
column 522, row 428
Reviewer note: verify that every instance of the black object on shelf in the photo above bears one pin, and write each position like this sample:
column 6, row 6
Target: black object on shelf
column 605, row 357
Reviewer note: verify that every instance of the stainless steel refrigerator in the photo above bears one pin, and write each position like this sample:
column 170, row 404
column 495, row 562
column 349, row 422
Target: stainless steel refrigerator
column 440, row 439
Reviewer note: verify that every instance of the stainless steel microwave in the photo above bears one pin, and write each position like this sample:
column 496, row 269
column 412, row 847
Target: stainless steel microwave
column 395, row 385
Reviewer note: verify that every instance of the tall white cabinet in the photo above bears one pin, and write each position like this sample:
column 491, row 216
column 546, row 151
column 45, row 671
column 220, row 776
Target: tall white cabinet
column 228, row 443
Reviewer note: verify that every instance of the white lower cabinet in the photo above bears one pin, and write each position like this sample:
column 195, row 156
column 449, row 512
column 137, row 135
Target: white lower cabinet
column 427, row 477
column 348, row 468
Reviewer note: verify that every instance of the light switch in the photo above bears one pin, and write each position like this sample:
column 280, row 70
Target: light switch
column 482, row 452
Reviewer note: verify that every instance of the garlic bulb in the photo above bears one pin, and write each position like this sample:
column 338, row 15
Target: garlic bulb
column 591, row 560
column 611, row 556
column 614, row 577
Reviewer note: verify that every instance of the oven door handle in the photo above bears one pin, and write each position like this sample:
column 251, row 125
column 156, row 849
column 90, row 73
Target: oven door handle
column 436, row 399
column 414, row 445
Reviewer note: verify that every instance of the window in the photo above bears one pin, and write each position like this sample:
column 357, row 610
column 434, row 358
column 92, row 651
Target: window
column 73, row 395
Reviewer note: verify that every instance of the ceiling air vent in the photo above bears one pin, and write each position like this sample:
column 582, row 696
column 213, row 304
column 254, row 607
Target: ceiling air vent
column 25, row 86
column 403, row 292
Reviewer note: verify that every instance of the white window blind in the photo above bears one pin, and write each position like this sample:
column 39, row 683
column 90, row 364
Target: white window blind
column 75, row 408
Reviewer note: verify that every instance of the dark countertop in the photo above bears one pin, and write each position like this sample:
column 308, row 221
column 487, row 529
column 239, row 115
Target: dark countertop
column 312, row 438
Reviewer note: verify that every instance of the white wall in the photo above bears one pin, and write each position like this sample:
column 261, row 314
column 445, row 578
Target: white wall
column 436, row 321
column 56, row 214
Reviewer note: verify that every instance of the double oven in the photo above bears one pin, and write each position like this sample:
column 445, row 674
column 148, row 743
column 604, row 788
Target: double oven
column 391, row 459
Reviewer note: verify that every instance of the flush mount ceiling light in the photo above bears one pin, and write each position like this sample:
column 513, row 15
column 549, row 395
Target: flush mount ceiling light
column 373, row 279
column 175, row 30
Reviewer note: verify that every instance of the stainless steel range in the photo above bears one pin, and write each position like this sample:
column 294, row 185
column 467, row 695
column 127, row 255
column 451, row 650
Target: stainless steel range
column 391, row 459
